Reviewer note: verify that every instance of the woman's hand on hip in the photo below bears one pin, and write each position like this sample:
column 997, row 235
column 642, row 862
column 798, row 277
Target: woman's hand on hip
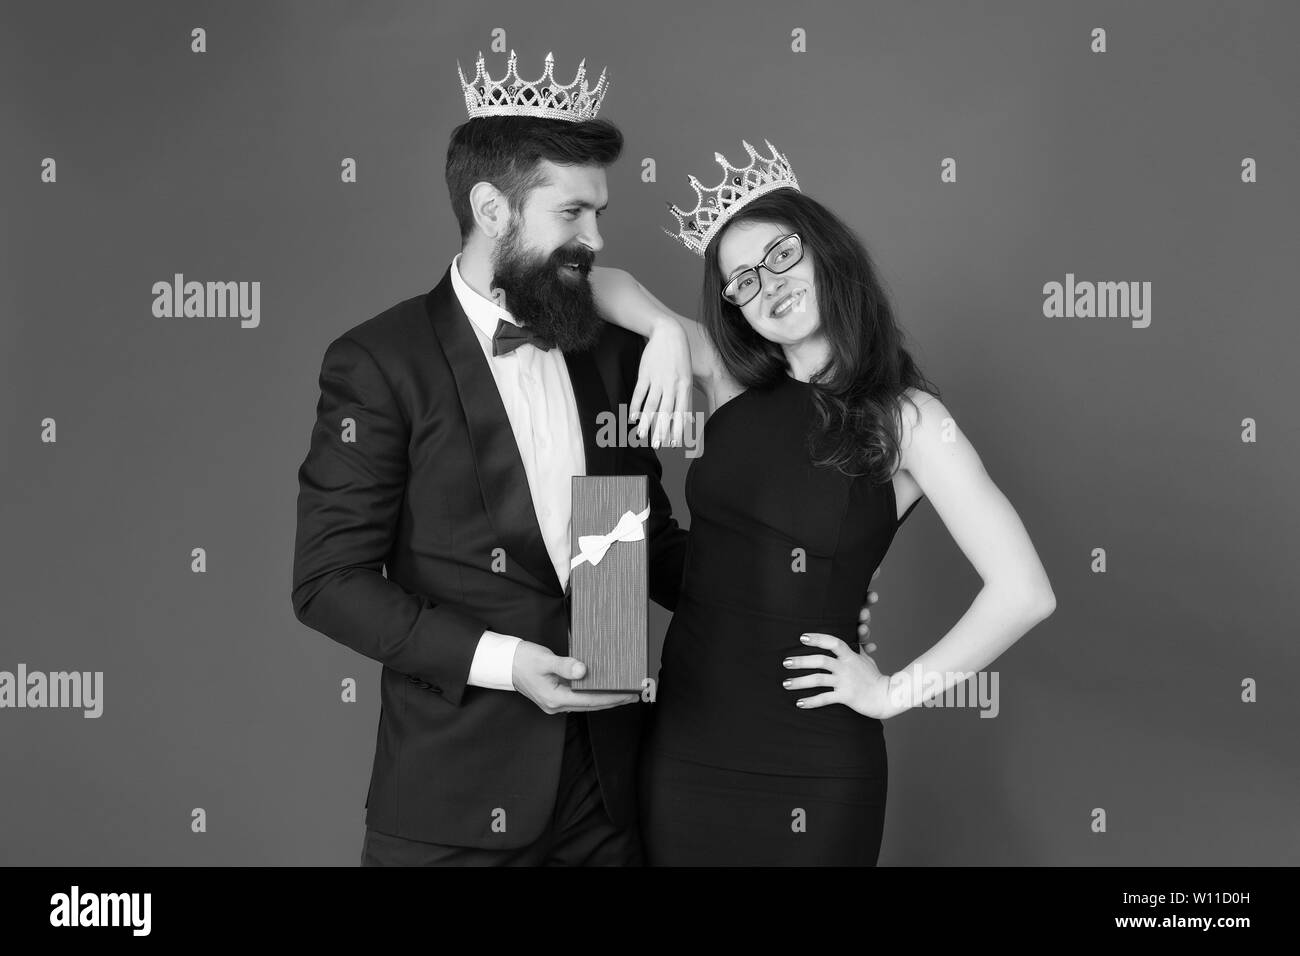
column 853, row 680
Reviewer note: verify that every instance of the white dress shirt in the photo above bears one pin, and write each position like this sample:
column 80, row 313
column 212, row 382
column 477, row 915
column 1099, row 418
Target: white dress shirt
column 538, row 397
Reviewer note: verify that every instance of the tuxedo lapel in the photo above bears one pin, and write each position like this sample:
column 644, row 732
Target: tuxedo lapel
column 501, row 474
column 591, row 398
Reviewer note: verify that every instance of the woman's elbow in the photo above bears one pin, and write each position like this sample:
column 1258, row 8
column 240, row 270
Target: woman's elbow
column 1049, row 606
column 1043, row 604
column 1035, row 603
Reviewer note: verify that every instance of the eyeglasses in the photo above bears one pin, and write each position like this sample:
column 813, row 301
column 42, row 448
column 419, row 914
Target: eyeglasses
column 782, row 257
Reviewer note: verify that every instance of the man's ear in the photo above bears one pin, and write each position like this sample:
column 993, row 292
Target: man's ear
column 491, row 211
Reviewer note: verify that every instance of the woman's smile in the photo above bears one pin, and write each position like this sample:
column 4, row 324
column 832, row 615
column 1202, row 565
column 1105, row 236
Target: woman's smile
column 785, row 304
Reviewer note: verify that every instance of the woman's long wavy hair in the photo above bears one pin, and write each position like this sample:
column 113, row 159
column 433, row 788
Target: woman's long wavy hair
column 858, row 393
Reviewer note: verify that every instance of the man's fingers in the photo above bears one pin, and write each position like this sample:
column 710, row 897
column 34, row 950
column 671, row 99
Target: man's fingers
column 621, row 702
column 566, row 699
column 569, row 668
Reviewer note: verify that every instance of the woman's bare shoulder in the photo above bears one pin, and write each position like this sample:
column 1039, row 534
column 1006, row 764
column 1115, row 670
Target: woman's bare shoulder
column 916, row 405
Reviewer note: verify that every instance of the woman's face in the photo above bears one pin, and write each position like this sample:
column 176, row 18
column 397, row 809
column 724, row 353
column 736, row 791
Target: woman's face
column 785, row 309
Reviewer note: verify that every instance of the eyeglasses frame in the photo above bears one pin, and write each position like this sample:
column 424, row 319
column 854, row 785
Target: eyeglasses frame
column 763, row 265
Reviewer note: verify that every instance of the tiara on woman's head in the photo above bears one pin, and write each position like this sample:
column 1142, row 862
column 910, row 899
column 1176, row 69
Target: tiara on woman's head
column 738, row 187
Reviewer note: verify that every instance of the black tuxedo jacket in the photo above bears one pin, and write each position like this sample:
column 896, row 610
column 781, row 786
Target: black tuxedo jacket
column 432, row 484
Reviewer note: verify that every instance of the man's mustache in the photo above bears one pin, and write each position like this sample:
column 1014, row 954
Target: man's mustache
column 583, row 257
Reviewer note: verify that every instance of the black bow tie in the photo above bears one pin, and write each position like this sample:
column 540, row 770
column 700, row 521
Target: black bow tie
column 509, row 337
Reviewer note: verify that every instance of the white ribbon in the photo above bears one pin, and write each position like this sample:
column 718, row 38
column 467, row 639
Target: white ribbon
column 592, row 547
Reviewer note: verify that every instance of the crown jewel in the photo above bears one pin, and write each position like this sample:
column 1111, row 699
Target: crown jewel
column 544, row 97
column 738, row 187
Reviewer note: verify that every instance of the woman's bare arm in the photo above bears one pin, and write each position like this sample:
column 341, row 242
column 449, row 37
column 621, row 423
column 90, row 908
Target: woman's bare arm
column 1016, row 594
column 625, row 302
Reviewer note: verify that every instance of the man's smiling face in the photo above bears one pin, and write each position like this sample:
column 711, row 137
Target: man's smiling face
column 543, row 259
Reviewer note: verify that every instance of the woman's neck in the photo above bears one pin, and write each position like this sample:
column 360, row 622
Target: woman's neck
column 808, row 357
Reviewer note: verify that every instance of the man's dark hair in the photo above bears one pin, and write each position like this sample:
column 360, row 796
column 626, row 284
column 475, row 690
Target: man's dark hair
column 505, row 151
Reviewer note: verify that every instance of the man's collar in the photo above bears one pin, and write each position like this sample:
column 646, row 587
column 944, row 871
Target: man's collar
column 482, row 311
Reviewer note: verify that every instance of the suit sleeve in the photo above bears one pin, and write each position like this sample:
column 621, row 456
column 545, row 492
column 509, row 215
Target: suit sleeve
column 666, row 551
column 349, row 497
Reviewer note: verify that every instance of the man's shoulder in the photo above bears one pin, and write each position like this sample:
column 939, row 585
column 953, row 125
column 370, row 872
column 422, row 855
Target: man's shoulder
column 618, row 343
column 393, row 339
column 396, row 326
column 617, row 356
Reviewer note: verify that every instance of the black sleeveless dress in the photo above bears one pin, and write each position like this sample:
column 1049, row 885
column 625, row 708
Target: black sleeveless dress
column 732, row 772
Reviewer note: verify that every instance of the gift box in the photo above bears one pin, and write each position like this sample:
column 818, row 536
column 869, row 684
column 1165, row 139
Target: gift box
column 608, row 591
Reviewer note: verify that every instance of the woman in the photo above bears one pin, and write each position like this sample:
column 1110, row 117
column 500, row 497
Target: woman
column 766, row 740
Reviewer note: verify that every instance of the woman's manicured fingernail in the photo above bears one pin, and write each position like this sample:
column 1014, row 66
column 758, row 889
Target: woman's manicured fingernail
column 786, row 683
column 788, row 662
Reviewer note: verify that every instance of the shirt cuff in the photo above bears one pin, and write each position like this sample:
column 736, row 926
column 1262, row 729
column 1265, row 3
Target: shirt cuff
column 494, row 661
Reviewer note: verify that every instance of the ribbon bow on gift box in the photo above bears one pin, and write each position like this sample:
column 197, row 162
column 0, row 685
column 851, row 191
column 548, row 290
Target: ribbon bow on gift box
column 592, row 547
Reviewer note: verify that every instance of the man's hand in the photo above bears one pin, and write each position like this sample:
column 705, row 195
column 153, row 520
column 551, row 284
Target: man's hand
column 864, row 619
column 544, row 678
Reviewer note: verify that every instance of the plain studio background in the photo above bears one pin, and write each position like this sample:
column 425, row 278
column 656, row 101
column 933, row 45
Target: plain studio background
column 173, row 434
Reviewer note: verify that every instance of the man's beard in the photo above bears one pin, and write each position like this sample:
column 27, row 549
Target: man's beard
column 554, row 301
